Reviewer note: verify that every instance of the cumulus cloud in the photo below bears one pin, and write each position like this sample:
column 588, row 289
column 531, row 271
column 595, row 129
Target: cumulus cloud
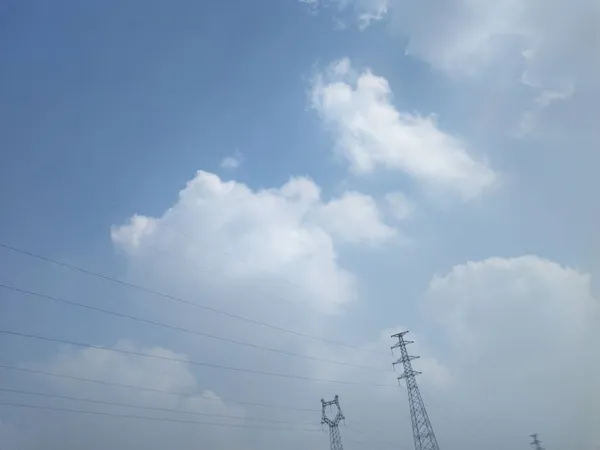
column 371, row 133
column 355, row 218
column 521, row 336
column 281, row 233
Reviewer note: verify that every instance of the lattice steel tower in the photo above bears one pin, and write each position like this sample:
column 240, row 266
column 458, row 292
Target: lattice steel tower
column 421, row 426
column 335, row 440
column 536, row 443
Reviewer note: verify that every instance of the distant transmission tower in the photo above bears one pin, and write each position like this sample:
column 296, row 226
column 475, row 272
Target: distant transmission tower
column 535, row 442
column 421, row 426
column 335, row 440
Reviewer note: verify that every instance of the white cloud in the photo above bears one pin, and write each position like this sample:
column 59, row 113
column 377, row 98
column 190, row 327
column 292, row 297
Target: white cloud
column 532, row 285
column 233, row 161
column 371, row 133
column 355, row 218
column 283, row 233
column 522, row 336
column 399, row 205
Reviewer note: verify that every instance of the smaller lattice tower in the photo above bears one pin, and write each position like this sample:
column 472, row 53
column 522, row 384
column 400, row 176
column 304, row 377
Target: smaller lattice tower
column 335, row 439
column 535, row 442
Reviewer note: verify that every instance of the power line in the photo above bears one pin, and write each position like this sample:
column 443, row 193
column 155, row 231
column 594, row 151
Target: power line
column 157, row 419
column 180, row 329
column 178, row 299
column 172, row 393
column 158, row 391
column 149, row 408
column 196, row 363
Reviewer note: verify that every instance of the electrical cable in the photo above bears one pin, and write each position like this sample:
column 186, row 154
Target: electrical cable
column 180, row 329
column 149, row 408
column 196, row 363
column 158, row 419
column 178, row 299
column 158, row 391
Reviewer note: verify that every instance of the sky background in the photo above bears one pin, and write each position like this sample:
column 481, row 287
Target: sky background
column 290, row 176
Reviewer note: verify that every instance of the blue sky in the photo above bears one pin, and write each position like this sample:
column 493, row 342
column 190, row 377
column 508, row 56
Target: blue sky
column 476, row 120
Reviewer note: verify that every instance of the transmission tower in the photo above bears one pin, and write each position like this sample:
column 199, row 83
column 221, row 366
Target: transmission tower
column 423, row 434
column 535, row 442
column 335, row 440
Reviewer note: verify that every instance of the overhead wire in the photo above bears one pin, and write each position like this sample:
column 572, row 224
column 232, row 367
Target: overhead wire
column 176, row 328
column 180, row 299
column 157, row 391
column 372, row 436
column 196, row 363
column 158, row 419
column 143, row 407
column 181, row 329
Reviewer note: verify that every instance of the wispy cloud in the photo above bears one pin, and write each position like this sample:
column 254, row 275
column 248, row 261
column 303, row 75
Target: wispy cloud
column 233, row 161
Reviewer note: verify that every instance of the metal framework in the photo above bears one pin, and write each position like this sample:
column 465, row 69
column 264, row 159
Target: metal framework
column 423, row 434
column 335, row 439
column 535, row 442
